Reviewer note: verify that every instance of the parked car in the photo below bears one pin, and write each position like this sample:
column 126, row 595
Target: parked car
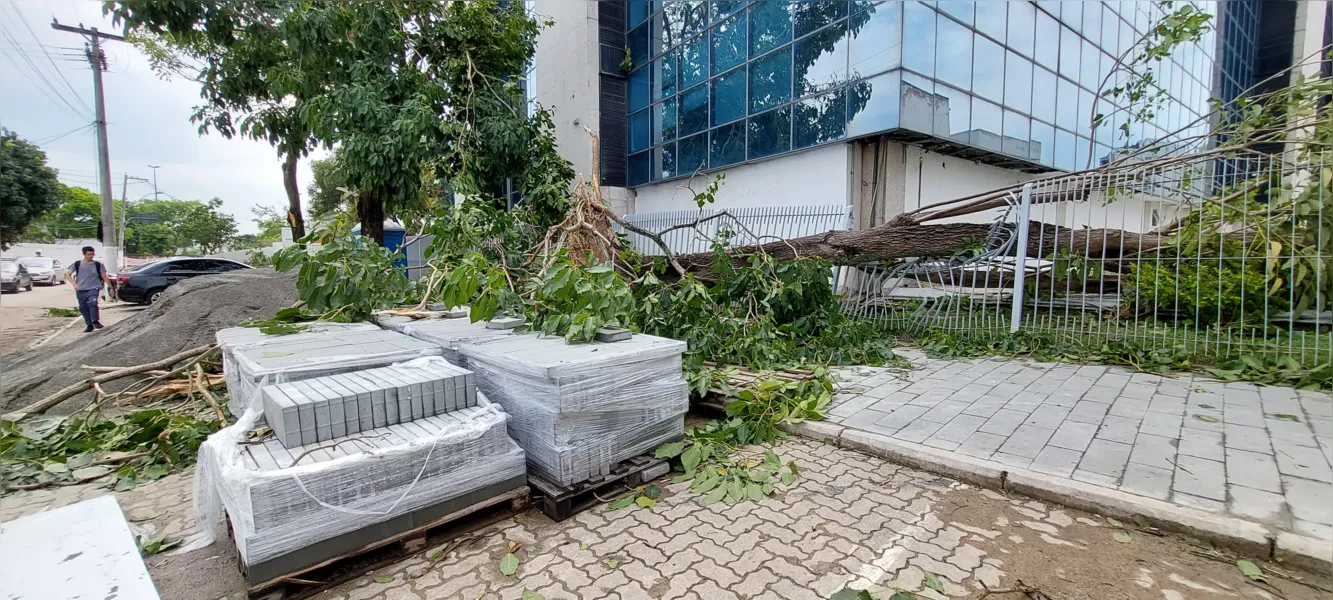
column 144, row 284
column 14, row 276
column 46, row 271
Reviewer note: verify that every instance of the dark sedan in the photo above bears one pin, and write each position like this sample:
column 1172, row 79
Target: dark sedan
column 146, row 283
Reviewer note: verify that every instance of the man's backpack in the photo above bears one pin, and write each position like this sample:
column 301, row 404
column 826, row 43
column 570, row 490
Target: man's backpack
column 100, row 269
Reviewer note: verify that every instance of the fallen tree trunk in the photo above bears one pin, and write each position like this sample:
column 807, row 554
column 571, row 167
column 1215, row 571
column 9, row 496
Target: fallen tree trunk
column 892, row 242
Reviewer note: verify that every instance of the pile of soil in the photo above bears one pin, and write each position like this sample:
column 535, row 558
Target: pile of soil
column 187, row 316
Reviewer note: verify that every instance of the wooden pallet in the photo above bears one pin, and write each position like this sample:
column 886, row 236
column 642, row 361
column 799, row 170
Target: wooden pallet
column 345, row 566
column 562, row 502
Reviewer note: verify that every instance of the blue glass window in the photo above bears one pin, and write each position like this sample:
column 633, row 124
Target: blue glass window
column 729, row 44
column 640, row 130
column 872, row 105
column 1111, row 31
column 694, row 62
column 692, row 154
column 664, row 121
column 820, row 119
column 770, row 25
column 639, row 10
column 919, row 36
column 1022, row 21
column 639, row 168
column 874, row 40
column 1066, row 156
column 821, row 60
column 1070, row 45
column 664, row 80
column 957, row 106
column 1071, row 14
column 640, row 88
column 694, row 110
column 809, row 16
column 1016, row 131
column 988, row 69
column 1043, row 143
column 1085, row 113
column 1017, row 82
column 770, row 133
column 919, row 106
column 1048, row 41
column 953, row 46
column 728, row 97
column 958, row 9
column 1091, row 62
column 987, row 125
column 770, row 80
column 1092, row 22
column 726, row 145
column 664, row 162
column 1043, row 94
column 683, row 19
column 1082, row 150
column 639, row 42
column 1066, row 108
column 992, row 18
column 722, row 8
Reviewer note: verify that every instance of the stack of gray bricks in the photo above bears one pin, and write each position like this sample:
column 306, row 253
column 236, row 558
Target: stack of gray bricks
column 231, row 339
column 333, row 406
column 451, row 334
column 578, row 410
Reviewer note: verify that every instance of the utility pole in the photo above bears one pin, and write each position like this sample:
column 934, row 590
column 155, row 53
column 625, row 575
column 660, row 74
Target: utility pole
column 110, row 244
column 154, row 168
column 125, row 204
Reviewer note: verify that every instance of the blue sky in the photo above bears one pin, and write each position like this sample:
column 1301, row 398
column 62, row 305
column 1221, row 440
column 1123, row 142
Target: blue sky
column 46, row 96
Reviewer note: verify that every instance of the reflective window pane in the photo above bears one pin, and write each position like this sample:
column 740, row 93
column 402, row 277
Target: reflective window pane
column 1017, row 82
column 639, row 42
column 1111, row 32
column 1016, row 130
column 694, row 110
column 919, row 104
column 684, row 19
column 874, row 40
column 640, row 130
column 729, row 44
column 1066, row 157
column 664, row 79
column 953, row 116
column 809, row 16
column 1022, row 23
column 728, row 97
column 1043, row 94
column 992, row 18
column 1084, row 113
column 1083, row 152
column 692, row 154
column 1066, row 108
column 694, row 62
column 988, row 69
column 639, row 10
column 1070, row 45
column 1043, row 143
column 1048, row 41
column 987, row 125
column 958, row 9
column 1090, row 64
column 640, row 88
column 726, row 145
column 770, row 25
column 1092, row 22
column 639, row 168
column 770, row 80
column 820, row 119
column 872, row 105
column 1071, row 14
column 953, row 46
column 722, row 8
column 821, row 60
column 664, row 121
column 919, row 35
column 664, row 162
column 770, row 133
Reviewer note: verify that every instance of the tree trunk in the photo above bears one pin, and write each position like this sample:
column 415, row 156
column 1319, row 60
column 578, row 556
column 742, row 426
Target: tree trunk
column 890, row 242
column 294, row 218
column 370, row 210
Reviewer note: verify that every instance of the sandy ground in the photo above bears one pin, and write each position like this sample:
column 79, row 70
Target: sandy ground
column 25, row 322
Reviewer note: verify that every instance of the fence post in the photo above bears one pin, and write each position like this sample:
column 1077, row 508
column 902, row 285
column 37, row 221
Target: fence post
column 1021, row 257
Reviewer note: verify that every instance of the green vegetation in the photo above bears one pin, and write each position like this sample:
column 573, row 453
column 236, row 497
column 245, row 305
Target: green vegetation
column 175, row 225
column 28, row 188
column 62, row 312
column 1206, row 291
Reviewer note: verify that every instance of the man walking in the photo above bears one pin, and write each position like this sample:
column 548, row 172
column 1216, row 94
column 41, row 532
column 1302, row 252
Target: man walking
column 88, row 277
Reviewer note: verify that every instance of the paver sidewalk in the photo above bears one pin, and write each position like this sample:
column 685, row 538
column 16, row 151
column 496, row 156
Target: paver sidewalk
column 1262, row 454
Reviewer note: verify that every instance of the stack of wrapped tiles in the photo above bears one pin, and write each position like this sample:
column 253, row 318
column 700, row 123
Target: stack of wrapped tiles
column 578, row 410
column 251, row 359
column 451, row 334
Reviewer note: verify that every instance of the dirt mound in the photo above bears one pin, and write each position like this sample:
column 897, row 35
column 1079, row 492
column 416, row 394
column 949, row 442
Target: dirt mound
column 187, row 316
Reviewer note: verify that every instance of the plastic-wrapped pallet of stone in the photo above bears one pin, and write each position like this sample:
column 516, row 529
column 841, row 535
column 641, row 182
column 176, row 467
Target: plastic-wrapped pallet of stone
column 250, row 357
column 283, row 501
column 580, row 409
column 450, row 334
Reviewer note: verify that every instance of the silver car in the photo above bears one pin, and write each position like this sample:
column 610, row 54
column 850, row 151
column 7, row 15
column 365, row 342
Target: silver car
column 14, row 276
column 44, row 271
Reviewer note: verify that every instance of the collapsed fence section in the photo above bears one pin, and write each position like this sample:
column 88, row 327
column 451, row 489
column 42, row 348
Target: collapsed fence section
column 694, row 231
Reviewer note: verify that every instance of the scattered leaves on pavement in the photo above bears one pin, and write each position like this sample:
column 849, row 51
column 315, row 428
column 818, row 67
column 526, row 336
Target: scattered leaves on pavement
column 1121, row 537
column 932, row 581
column 610, row 563
column 509, row 564
column 383, row 580
column 1286, row 417
column 1251, row 570
column 531, row 595
column 1115, row 522
column 1206, row 418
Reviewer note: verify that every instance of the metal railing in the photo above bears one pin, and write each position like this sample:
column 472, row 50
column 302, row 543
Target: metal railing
column 1216, row 257
column 738, row 226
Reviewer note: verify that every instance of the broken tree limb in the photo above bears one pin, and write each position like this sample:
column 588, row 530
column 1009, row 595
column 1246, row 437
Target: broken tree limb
column 48, row 402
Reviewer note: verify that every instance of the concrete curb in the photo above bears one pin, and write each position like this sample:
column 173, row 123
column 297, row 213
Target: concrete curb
column 1242, row 536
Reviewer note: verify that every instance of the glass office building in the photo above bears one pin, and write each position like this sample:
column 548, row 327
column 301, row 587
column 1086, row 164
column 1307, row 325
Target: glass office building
column 718, row 83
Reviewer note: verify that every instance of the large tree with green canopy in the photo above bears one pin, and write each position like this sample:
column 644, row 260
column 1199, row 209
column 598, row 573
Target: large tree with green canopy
column 28, row 188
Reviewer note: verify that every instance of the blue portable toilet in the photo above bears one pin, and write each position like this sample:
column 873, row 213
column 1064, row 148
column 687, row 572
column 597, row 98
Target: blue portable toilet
column 394, row 236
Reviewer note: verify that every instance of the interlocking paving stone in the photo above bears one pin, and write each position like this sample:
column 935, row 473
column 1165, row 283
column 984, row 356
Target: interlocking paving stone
column 1201, row 477
column 1133, row 408
column 1105, row 457
column 1004, row 422
column 1154, row 451
column 1047, row 416
column 982, row 444
column 1259, row 505
column 1290, row 433
column 1072, row 435
column 1253, row 439
column 1056, row 461
column 1308, row 463
column 945, row 411
column 1253, row 469
column 918, row 430
column 902, row 417
column 1201, row 444
column 1147, row 481
column 1119, row 429
column 960, row 428
column 1027, row 441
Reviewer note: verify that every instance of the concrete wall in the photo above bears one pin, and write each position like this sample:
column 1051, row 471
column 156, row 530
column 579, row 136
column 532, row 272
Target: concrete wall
column 566, row 73
column 65, row 253
column 1309, row 37
column 931, row 178
column 819, row 176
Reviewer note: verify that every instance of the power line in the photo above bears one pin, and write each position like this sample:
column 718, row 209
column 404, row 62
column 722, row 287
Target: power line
column 40, row 75
column 49, row 139
column 23, row 19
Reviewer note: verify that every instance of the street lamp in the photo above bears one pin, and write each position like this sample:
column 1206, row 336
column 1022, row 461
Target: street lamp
column 154, row 168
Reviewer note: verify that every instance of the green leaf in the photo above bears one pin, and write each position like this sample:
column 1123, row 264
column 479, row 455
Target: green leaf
column 690, row 458
column 87, row 473
column 788, row 478
column 772, row 459
column 645, row 502
column 1115, row 522
column 1251, row 570
column 902, row 596
column 851, row 594
column 383, row 580
column 671, row 450
column 622, row 502
column 531, row 595
column 79, row 461
column 1206, row 418
column 1122, row 537
column 509, row 564
column 653, row 492
column 932, row 581
column 154, row 472
column 716, row 495
column 1287, row 417
column 610, row 563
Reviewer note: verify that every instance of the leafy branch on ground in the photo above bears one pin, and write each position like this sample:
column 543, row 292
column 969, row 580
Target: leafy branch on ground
column 62, row 312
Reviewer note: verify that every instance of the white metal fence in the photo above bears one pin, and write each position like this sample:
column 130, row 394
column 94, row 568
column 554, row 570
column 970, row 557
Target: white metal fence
column 740, row 226
column 1217, row 257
